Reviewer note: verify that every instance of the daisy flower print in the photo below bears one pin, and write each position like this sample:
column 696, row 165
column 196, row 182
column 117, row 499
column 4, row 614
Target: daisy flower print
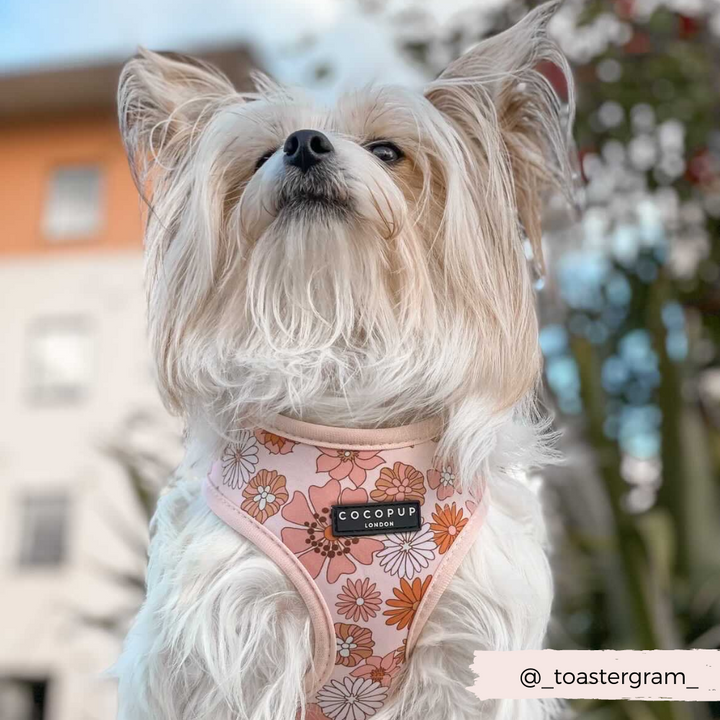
column 448, row 522
column 406, row 602
column 239, row 460
column 359, row 600
column 351, row 699
column 406, row 555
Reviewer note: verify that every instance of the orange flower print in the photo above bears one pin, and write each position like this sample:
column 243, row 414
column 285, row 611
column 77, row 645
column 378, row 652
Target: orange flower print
column 353, row 464
column 448, row 523
column 313, row 541
column 352, row 644
column 406, row 601
column 401, row 652
column 442, row 480
column 379, row 669
column 401, row 483
column 275, row 444
column 264, row 495
column 359, row 600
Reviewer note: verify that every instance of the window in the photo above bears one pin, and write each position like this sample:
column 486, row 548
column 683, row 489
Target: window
column 22, row 699
column 44, row 530
column 74, row 203
column 60, row 359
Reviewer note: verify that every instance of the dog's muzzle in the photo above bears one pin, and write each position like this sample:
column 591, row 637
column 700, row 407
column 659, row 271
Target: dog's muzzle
column 321, row 188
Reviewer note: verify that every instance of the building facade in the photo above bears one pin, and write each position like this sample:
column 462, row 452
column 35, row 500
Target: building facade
column 75, row 376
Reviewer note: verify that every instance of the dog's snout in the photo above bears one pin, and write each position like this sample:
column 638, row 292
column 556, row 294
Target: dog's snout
column 305, row 148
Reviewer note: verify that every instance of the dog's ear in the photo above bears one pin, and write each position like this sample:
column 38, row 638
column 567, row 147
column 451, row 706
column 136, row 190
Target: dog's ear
column 520, row 80
column 163, row 99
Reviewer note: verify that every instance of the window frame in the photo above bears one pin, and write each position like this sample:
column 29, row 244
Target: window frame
column 48, row 225
column 44, row 391
column 31, row 556
column 40, row 688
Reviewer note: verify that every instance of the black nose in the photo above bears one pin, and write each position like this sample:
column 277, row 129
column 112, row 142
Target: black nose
column 305, row 148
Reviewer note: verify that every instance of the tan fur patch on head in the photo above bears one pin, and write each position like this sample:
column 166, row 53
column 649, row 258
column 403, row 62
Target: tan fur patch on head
column 360, row 290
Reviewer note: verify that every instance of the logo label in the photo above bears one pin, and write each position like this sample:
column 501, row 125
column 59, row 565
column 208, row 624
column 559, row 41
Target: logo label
column 376, row 518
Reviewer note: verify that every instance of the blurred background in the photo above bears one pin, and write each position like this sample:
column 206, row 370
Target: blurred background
column 630, row 315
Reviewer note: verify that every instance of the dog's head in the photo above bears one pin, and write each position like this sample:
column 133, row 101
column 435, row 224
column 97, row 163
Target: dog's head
column 364, row 263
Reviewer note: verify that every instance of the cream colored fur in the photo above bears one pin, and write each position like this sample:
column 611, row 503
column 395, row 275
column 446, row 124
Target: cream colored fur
column 405, row 293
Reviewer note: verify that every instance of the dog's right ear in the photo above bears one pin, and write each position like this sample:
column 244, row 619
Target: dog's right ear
column 163, row 99
column 505, row 81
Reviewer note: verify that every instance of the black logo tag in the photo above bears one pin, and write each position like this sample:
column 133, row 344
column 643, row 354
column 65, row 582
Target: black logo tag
column 376, row 519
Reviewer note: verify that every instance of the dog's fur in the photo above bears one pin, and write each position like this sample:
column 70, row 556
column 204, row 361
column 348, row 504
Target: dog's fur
column 357, row 295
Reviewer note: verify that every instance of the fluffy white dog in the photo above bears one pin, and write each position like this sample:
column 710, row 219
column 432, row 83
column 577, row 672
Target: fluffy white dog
column 368, row 272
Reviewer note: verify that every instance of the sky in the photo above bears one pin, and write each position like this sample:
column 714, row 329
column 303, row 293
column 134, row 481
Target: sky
column 360, row 46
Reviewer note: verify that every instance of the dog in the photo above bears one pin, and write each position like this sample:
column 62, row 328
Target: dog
column 342, row 299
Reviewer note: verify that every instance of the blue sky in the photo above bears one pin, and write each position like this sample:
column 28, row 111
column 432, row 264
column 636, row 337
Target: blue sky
column 38, row 31
column 50, row 32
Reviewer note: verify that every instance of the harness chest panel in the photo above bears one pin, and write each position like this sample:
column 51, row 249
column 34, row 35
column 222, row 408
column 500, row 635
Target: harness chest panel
column 369, row 528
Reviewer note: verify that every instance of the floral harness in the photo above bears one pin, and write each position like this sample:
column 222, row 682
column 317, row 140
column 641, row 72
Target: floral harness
column 369, row 594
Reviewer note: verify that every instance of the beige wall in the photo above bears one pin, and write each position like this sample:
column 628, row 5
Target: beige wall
column 46, row 447
column 43, row 448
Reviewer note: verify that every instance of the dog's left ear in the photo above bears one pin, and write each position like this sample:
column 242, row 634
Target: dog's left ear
column 163, row 100
column 521, row 79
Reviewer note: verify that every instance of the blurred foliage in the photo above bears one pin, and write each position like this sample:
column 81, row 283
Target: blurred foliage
column 146, row 449
column 631, row 325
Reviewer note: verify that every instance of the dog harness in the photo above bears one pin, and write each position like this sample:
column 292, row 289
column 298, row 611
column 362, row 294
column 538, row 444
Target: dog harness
column 368, row 527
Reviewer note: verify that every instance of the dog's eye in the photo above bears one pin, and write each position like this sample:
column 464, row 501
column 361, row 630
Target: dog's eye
column 263, row 159
column 387, row 152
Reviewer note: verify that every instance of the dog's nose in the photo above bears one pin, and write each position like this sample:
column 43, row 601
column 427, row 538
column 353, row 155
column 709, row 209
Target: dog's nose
column 305, row 148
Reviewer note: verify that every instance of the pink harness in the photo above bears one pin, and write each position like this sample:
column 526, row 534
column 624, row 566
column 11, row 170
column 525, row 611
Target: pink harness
column 366, row 527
